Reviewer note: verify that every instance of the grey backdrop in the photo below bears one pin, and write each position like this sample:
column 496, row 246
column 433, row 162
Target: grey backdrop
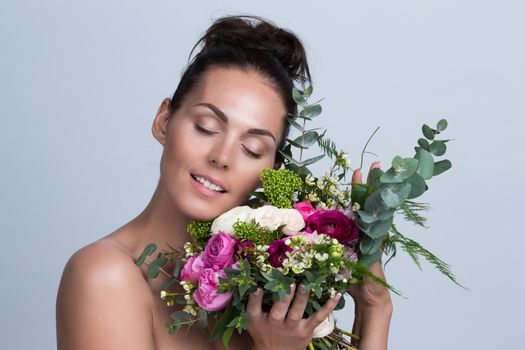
column 81, row 82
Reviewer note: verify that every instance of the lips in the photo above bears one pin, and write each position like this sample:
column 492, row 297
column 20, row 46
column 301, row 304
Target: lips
column 214, row 182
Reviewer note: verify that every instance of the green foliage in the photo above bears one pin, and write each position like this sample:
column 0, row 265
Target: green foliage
column 252, row 231
column 148, row 250
column 410, row 210
column 200, row 231
column 280, row 186
column 416, row 250
column 278, row 284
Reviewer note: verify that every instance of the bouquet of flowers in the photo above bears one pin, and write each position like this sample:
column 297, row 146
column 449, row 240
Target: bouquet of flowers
column 299, row 228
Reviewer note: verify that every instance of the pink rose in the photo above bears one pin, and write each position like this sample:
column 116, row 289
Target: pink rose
column 277, row 252
column 219, row 251
column 334, row 224
column 206, row 294
column 305, row 208
column 192, row 269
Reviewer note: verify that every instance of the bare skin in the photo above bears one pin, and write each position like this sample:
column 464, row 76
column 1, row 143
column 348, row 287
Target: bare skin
column 106, row 302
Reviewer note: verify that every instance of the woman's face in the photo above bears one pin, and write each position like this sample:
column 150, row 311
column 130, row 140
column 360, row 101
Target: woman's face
column 219, row 141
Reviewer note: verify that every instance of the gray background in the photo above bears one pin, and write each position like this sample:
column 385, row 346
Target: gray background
column 81, row 82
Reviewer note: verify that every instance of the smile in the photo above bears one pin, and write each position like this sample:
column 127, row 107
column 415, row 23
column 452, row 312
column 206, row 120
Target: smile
column 208, row 184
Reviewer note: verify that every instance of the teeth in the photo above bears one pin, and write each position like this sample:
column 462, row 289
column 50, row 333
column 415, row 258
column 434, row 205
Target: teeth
column 208, row 184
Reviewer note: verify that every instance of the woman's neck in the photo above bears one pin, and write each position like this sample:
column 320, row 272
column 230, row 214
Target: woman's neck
column 160, row 223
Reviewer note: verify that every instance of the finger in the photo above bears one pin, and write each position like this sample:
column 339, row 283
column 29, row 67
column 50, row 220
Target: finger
column 357, row 176
column 319, row 316
column 255, row 303
column 372, row 167
column 280, row 308
column 299, row 304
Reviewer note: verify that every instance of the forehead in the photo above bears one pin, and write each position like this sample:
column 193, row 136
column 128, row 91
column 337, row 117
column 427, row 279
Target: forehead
column 244, row 96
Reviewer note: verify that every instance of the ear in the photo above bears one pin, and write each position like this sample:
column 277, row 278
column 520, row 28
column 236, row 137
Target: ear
column 159, row 129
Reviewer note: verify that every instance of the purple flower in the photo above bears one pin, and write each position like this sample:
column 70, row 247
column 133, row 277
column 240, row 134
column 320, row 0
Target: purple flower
column 219, row 250
column 277, row 253
column 244, row 248
column 334, row 224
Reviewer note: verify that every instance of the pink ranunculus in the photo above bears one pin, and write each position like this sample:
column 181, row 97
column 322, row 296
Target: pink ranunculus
column 206, row 294
column 305, row 208
column 277, row 252
column 219, row 251
column 192, row 269
column 334, row 224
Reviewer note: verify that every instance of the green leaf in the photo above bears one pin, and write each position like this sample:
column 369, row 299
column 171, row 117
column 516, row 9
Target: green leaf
column 311, row 112
column 390, row 176
column 301, row 170
column 368, row 218
column 308, row 91
column 378, row 229
column 202, row 315
column 229, row 314
column 442, row 125
column 167, row 283
column 423, row 143
column 394, row 194
column 428, row 132
column 155, row 266
column 148, row 250
column 359, row 193
column 295, row 124
column 298, row 98
column 226, row 337
column 368, row 245
column 312, row 160
column 417, row 185
column 290, row 158
column 305, row 140
column 369, row 259
column 426, row 164
column 181, row 317
column 404, row 167
column 374, row 204
column 441, row 166
column 437, row 148
column 260, row 195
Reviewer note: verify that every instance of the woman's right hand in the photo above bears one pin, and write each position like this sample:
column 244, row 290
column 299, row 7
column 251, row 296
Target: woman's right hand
column 284, row 327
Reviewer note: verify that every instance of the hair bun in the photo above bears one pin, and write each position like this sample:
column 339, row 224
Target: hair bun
column 255, row 33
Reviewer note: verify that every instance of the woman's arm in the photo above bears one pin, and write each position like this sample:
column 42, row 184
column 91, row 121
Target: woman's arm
column 103, row 303
column 373, row 303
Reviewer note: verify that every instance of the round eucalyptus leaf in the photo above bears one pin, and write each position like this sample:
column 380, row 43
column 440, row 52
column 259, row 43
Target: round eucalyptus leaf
column 428, row 132
column 298, row 98
column 397, row 163
column 378, row 229
column 308, row 91
column 410, row 166
column 369, row 245
column 369, row 259
column 442, row 125
column 390, row 176
column 423, row 143
column 437, row 148
column 417, row 185
column 441, row 166
column 386, row 214
column 313, row 111
column 374, row 204
column 426, row 164
column 367, row 217
column 305, row 140
column 394, row 194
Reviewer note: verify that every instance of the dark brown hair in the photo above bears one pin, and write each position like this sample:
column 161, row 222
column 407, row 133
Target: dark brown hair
column 249, row 43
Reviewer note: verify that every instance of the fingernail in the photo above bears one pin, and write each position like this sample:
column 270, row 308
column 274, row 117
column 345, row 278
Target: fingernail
column 337, row 296
column 292, row 287
column 257, row 291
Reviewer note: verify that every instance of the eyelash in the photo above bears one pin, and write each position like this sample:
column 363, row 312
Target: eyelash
column 208, row 132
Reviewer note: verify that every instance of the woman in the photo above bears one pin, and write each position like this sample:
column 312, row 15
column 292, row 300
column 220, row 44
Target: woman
column 223, row 125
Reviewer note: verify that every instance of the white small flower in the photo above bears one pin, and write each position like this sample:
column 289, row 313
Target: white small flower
column 162, row 294
column 320, row 183
column 312, row 197
column 332, row 292
column 310, row 180
column 356, row 206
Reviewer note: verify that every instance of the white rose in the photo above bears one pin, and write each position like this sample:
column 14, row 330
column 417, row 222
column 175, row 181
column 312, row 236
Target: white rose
column 267, row 216
column 326, row 327
column 293, row 220
column 226, row 220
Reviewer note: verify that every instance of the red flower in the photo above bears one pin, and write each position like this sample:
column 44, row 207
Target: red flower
column 334, row 224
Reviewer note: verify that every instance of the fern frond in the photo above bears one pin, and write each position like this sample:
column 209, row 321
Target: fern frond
column 415, row 250
column 328, row 147
column 410, row 210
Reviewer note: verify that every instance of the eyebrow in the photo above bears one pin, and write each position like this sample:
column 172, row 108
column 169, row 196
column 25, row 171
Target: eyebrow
column 224, row 118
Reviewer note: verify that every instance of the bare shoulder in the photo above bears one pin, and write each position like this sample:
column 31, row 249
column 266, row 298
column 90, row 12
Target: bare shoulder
column 103, row 301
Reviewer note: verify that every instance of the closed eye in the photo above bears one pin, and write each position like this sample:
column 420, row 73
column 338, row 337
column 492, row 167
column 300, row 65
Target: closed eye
column 203, row 130
column 251, row 153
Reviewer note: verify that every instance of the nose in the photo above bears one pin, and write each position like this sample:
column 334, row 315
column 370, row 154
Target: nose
column 220, row 155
